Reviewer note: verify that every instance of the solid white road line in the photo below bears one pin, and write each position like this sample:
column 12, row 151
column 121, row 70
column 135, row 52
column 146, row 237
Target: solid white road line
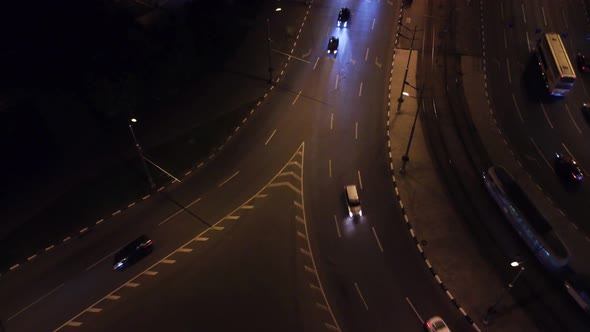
column 271, row 135
column 231, row 177
column 415, row 311
column 36, row 301
column 361, row 296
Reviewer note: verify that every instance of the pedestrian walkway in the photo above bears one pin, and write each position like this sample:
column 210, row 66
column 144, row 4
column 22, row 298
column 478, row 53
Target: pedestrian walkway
column 445, row 238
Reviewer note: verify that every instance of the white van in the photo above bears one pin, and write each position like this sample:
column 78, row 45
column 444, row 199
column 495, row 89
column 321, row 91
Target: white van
column 353, row 201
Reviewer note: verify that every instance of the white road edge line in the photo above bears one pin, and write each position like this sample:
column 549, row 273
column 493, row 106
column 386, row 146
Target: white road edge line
column 415, row 311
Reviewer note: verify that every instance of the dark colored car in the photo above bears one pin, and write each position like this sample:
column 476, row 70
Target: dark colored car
column 333, row 45
column 586, row 111
column 583, row 66
column 343, row 17
column 568, row 168
column 133, row 252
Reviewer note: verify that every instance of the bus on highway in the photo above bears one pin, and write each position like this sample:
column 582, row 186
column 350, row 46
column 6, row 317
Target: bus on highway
column 556, row 67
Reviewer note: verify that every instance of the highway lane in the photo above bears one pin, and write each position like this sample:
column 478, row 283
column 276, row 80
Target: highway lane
column 384, row 284
column 538, row 128
column 371, row 266
column 250, row 280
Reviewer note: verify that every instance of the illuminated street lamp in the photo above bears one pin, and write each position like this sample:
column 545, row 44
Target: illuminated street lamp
column 140, row 152
column 492, row 311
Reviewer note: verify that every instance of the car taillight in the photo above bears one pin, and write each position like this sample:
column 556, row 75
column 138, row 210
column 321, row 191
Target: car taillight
column 149, row 243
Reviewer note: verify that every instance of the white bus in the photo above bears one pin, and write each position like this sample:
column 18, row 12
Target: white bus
column 556, row 66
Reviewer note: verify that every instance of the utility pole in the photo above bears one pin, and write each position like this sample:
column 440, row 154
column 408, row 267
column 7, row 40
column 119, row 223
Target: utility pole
column 400, row 100
column 140, row 152
column 491, row 312
column 406, row 157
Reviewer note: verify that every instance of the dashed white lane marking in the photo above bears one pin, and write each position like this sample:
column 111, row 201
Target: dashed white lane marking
column 316, row 63
column 373, row 25
column 295, row 100
column 36, row 301
column 102, row 259
column 546, row 116
column 330, row 168
column 523, row 13
column 415, row 311
column 356, row 130
column 505, row 40
column 544, row 18
column 269, row 138
column 331, row 121
column 367, row 54
column 337, row 227
column 377, row 238
column 231, row 177
column 528, row 41
column 336, row 85
column 502, row 9
column 361, row 89
column 572, row 118
column 564, row 19
column 508, row 70
column 360, row 180
column 178, row 212
column 539, row 151
column 361, row 296
column 517, row 109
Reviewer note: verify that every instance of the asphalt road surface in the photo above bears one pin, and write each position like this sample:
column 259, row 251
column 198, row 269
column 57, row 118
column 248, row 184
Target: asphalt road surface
column 251, row 273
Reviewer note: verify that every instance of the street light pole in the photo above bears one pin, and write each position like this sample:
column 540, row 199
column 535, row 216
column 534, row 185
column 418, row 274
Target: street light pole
column 406, row 157
column 491, row 312
column 400, row 100
column 269, row 51
column 140, row 152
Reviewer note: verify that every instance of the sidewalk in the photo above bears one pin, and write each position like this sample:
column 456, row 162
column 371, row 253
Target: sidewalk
column 445, row 238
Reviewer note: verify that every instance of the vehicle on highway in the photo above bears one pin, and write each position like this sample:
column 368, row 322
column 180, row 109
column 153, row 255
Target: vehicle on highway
column 583, row 65
column 567, row 168
column 353, row 202
column 343, row 17
column 437, row 324
column 133, row 252
column 586, row 111
column 333, row 45
column 556, row 67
